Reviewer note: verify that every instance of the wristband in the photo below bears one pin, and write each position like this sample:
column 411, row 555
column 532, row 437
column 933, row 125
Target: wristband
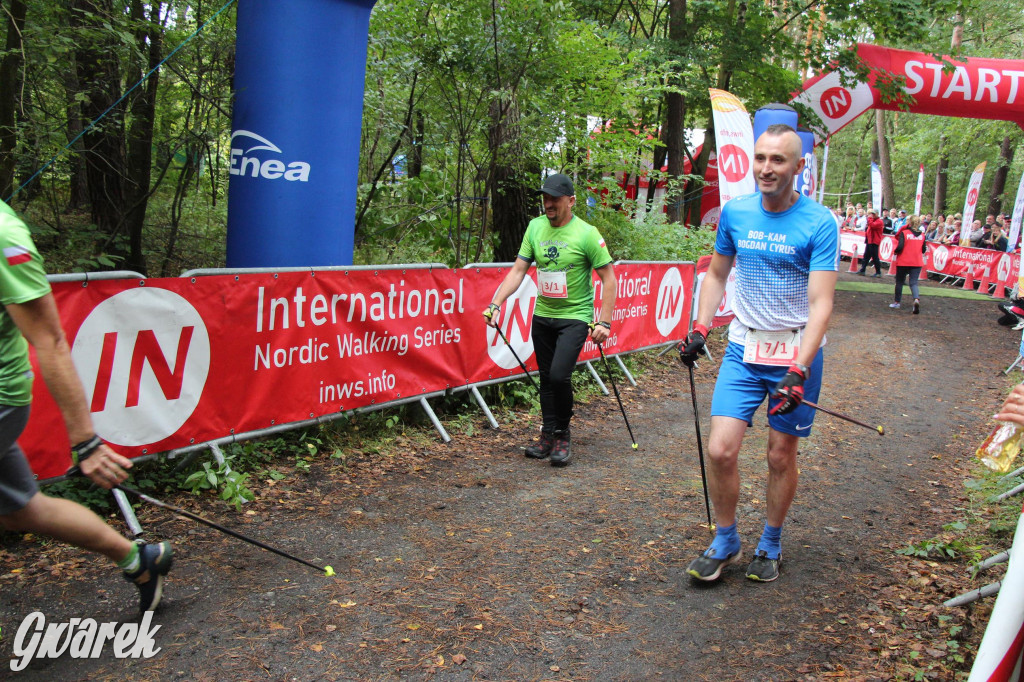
column 804, row 369
column 493, row 306
column 83, row 450
column 606, row 325
column 701, row 329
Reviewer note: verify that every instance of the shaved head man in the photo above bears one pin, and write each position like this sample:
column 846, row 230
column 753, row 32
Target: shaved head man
column 785, row 247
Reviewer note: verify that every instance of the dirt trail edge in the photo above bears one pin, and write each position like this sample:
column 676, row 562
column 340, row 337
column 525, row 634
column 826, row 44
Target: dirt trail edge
column 468, row 561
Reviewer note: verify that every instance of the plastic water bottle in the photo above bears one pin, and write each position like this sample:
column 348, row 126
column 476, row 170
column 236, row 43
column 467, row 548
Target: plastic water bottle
column 1001, row 447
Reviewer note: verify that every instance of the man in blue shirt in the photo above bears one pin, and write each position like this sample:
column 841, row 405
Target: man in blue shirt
column 786, row 251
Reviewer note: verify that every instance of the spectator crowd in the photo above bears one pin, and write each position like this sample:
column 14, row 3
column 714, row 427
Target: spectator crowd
column 942, row 229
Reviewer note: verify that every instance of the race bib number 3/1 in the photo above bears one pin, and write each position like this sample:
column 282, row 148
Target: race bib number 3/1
column 552, row 284
column 772, row 348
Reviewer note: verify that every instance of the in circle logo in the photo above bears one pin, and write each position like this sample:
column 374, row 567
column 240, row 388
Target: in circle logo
column 886, row 249
column 671, row 299
column 516, row 316
column 733, row 163
column 972, row 196
column 835, row 102
column 940, row 256
column 143, row 356
column 1003, row 269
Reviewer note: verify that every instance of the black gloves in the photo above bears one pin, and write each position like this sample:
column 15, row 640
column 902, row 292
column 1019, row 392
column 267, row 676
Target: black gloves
column 693, row 345
column 790, row 390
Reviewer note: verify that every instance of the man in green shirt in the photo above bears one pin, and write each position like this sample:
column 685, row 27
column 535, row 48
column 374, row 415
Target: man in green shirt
column 29, row 316
column 565, row 249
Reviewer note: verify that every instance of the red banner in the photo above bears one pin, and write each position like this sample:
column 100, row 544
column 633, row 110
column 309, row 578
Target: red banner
column 973, row 88
column 955, row 261
column 167, row 363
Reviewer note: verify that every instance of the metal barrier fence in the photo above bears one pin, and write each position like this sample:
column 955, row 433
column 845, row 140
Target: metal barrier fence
column 214, row 445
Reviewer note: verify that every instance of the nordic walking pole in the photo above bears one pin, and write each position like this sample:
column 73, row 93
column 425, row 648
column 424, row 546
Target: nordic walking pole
column 615, row 388
column 497, row 327
column 700, row 450
column 327, row 570
column 878, row 429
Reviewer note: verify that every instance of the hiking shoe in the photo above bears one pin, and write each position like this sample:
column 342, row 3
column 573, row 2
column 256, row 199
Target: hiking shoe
column 155, row 563
column 877, row 274
column 541, row 448
column 707, row 567
column 762, row 569
column 917, row 307
column 561, row 452
column 894, row 305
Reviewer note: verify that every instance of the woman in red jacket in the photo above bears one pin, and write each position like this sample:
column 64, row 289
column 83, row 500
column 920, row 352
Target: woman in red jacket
column 910, row 250
column 872, row 239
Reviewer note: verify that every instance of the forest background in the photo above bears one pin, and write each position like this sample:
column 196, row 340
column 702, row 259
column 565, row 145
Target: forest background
column 467, row 105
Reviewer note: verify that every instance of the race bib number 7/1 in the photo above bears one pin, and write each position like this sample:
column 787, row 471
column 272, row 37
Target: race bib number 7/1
column 552, row 284
column 772, row 348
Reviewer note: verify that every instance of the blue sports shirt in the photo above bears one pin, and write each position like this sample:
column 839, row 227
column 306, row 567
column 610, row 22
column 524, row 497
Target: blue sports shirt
column 775, row 254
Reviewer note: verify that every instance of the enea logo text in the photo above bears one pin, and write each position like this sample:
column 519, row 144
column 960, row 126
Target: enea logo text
column 243, row 161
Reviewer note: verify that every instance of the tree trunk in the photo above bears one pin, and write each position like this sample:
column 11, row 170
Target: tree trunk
column 660, row 152
column 695, row 188
column 142, row 110
column 78, row 185
column 103, row 144
column 511, row 195
column 10, row 95
column 884, row 162
column 675, row 116
column 939, row 207
column 995, row 201
column 415, row 164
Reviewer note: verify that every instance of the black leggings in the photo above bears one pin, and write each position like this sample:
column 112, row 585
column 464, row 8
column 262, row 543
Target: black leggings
column 558, row 344
column 871, row 252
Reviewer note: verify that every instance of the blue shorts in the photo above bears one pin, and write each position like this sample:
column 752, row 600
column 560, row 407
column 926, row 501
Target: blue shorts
column 742, row 387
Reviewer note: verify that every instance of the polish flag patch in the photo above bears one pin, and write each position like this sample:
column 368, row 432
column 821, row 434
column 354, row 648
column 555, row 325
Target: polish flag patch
column 601, row 243
column 16, row 255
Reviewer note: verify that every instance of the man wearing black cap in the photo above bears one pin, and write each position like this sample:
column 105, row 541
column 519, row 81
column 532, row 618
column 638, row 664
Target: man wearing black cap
column 565, row 249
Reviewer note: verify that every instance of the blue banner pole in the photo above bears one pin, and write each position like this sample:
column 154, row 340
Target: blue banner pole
column 300, row 71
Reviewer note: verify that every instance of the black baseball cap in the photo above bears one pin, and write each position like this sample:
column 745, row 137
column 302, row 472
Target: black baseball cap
column 558, row 185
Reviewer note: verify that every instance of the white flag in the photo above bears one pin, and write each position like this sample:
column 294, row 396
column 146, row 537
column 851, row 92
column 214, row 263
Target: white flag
column 1015, row 221
column 734, row 137
column 824, row 169
column 971, row 203
column 876, row 187
column 920, row 188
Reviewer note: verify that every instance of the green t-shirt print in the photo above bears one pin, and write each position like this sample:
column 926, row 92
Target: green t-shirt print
column 565, row 257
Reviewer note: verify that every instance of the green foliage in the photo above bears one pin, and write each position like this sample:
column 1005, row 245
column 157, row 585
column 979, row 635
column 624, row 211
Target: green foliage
column 651, row 237
column 83, row 491
column 230, row 484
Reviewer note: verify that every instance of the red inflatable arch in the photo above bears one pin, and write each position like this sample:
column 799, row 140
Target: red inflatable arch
column 975, row 88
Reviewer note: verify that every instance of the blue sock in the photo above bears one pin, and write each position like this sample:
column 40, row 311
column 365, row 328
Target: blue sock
column 726, row 542
column 771, row 541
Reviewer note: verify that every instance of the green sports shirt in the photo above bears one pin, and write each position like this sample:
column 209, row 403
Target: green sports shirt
column 22, row 279
column 565, row 257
